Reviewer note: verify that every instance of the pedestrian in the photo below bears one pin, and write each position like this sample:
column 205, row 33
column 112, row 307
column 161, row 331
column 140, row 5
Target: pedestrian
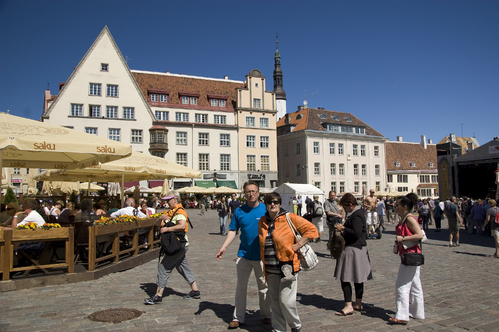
column 223, row 211
column 370, row 205
column 333, row 215
column 409, row 292
column 381, row 213
column 424, row 212
column 316, row 210
column 431, row 203
column 233, row 205
column 203, row 205
column 389, row 210
column 478, row 216
column 246, row 219
column 493, row 220
column 299, row 201
column 438, row 213
column 295, row 205
column 280, row 260
column 174, row 222
column 354, row 264
column 454, row 220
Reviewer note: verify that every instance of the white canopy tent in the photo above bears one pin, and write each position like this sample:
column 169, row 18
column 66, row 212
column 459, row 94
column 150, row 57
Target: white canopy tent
column 290, row 190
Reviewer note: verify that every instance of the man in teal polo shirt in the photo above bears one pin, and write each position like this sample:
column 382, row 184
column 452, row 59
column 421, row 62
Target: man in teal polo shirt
column 245, row 219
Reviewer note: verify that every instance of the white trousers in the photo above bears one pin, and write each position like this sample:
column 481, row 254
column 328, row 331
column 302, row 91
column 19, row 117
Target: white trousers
column 244, row 267
column 283, row 302
column 410, row 301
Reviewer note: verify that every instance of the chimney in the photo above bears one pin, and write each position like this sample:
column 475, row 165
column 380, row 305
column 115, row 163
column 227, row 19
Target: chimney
column 286, row 118
column 470, row 146
column 167, row 72
column 423, row 141
column 430, row 141
column 399, row 138
column 226, row 77
column 452, row 138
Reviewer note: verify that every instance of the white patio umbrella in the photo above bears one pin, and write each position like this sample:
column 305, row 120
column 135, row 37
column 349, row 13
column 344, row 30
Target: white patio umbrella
column 194, row 190
column 142, row 189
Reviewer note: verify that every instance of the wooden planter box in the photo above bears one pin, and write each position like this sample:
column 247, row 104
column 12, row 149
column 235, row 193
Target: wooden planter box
column 149, row 222
column 23, row 235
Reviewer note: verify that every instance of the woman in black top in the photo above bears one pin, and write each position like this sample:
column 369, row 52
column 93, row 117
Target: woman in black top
column 353, row 264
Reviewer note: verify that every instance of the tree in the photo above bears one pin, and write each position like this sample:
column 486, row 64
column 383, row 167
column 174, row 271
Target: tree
column 10, row 197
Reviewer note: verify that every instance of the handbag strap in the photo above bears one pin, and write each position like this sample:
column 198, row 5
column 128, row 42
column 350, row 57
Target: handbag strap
column 404, row 222
column 292, row 226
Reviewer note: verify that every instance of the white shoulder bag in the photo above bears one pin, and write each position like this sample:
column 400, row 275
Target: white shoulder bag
column 308, row 258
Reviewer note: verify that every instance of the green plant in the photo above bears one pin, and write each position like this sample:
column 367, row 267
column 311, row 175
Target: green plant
column 72, row 197
column 10, row 197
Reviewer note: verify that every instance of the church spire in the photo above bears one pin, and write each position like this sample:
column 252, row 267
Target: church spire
column 278, row 87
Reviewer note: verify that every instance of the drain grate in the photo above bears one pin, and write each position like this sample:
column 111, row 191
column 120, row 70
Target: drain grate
column 116, row 315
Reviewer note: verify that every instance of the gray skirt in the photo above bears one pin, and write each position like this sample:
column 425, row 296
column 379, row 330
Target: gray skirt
column 353, row 265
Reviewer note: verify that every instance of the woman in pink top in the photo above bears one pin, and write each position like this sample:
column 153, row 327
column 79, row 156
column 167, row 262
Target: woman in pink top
column 409, row 298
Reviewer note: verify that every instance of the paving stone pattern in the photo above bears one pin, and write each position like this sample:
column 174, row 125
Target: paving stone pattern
column 460, row 286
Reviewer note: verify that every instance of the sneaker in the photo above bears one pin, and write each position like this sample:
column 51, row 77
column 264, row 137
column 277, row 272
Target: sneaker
column 192, row 295
column 153, row 300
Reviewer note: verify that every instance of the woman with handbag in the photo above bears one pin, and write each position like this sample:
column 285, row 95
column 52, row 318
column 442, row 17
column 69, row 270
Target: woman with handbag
column 280, row 260
column 409, row 293
column 353, row 264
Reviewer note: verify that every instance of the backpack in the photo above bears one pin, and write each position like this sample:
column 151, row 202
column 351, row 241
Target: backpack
column 497, row 219
column 318, row 210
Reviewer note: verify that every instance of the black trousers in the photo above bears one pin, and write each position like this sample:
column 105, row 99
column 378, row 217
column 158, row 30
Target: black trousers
column 347, row 291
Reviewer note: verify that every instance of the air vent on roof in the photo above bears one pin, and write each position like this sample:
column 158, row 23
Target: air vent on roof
column 430, row 164
column 348, row 119
column 412, row 164
column 335, row 118
column 397, row 164
column 322, row 116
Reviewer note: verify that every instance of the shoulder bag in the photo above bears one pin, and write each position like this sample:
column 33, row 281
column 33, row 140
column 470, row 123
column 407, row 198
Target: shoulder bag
column 308, row 258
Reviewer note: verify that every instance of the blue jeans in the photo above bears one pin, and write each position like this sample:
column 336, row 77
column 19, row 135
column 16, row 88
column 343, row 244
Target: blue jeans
column 223, row 221
column 425, row 222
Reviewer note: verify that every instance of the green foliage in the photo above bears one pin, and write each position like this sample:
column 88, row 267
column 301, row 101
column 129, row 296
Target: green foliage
column 72, row 197
column 10, row 197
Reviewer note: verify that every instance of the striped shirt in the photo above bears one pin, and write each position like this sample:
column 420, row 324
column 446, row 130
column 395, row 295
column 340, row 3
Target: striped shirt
column 271, row 260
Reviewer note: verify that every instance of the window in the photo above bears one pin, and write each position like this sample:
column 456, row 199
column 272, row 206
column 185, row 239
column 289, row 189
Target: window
column 17, row 170
column 355, row 150
column 159, row 154
column 163, row 98
column 111, row 112
column 250, row 121
column 91, row 130
column 265, row 163
column 136, row 136
column 424, row 178
column 180, row 116
column 264, row 122
column 112, row 90
column 214, row 102
column 128, row 113
column 317, row 184
column 333, row 186
column 161, row 115
column 377, row 184
column 335, row 117
column 224, row 140
column 322, row 116
column 264, row 142
column 154, row 97
column 412, row 164
column 95, row 89
column 332, row 167
column 221, row 103
column 356, row 169
column 364, row 185
column 356, row 187
column 430, row 165
column 182, row 159
column 316, row 147
column 204, row 164
column 331, row 148
column 158, row 137
column 250, row 141
column 286, row 170
column 76, row 110
column 257, row 103
column 341, row 169
column 189, row 100
column 181, row 138
column 225, row 162
column 201, row 118
column 95, row 111
column 104, row 67
column 203, row 139
column 434, row 178
column 402, row 189
column 340, row 148
column 251, row 163
column 364, row 169
column 342, row 187
column 376, row 151
column 331, row 127
column 402, row 178
column 218, row 102
column 317, row 168
column 114, row 134
column 297, row 148
column 377, row 170
column 363, row 150
column 27, row 170
column 298, row 170
column 220, row 119
column 359, row 130
column 389, row 178
column 346, row 129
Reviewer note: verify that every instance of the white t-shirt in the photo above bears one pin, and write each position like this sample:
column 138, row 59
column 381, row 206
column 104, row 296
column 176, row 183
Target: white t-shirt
column 35, row 217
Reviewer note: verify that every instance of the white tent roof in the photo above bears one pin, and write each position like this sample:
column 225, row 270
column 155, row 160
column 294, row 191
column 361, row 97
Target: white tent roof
column 300, row 188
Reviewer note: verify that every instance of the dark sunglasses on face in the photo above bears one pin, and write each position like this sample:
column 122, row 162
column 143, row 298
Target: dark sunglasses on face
column 273, row 202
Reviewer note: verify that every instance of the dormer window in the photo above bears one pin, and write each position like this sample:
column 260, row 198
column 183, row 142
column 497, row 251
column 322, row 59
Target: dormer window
column 189, row 98
column 322, row 116
column 217, row 100
column 158, row 95
column 412, row 164
column 397, row 164
column 430, row 165
column 336, row 118
column 332, row 127
column 348, row 119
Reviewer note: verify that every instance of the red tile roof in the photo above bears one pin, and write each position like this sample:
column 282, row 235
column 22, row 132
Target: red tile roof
column 406, row 152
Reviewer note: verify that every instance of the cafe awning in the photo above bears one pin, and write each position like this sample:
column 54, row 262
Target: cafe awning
column 205, row 183
column 227, row 183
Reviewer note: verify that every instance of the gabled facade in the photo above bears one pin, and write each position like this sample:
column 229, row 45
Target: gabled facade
column 256, row 120
column 412, row 167
column 101, row 97
column 331, row 150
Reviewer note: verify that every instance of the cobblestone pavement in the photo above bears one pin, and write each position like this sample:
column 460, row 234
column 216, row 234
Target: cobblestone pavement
column 460, row 288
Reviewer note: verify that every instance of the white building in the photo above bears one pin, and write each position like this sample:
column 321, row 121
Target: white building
column 331, row 150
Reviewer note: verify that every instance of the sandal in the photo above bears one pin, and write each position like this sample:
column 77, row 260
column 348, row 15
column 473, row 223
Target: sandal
column 358, row 309
column 342, row 313
column 394, row 320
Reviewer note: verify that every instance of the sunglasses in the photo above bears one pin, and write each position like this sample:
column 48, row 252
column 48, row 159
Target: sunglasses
column 273, row 202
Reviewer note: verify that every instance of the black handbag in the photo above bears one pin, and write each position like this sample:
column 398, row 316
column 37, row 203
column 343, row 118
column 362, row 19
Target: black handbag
column 412, row 259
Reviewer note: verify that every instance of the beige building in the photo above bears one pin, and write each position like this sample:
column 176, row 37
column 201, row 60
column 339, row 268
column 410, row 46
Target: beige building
column 256, row 121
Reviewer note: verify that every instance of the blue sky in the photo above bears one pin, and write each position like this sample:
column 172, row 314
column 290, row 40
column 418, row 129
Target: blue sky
column 406, row 68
